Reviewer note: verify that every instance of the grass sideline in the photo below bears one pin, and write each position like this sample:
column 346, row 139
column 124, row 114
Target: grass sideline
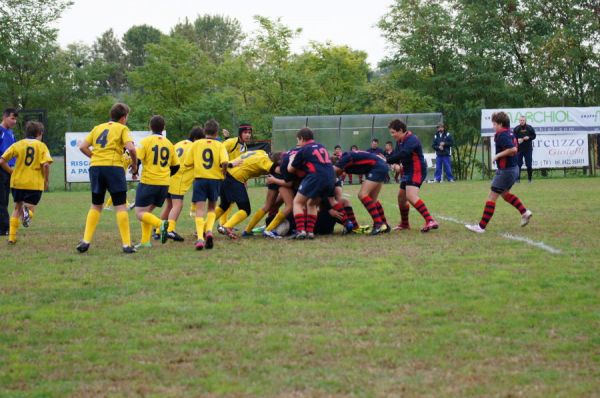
column 443, row 314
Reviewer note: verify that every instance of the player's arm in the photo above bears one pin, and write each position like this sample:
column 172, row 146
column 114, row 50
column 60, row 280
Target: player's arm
column 84, row 147
column 133, row 155
column 510, row 150
column 5, row 166
column 398, row 155
column 46, row 171
column 295, row 162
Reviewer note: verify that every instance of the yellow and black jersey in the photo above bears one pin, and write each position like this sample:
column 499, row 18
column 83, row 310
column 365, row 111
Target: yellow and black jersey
column 182, row 181
column 108, row 141
column 207, row 156
column 31, row 155
column 157, row 155
column 254, row 164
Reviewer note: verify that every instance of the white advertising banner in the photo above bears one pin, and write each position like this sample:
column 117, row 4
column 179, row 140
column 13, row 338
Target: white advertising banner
column 558, row 151
column 77, row 165
column 564, row 120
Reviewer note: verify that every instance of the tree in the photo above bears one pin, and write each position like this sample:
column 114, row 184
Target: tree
column 135, row 41
column 107, row 48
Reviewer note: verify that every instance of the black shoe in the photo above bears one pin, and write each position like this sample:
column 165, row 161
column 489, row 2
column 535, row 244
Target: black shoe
column 82, row 247
column 175, row 236
column 129, row 249
column 209, row 240
column 378, row 229
column 163, row 231
column 155, row 236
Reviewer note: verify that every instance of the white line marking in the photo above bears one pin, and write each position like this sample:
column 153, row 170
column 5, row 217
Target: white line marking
column 539, row 245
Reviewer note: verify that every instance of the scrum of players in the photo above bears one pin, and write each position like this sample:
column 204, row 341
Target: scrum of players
column 304, row 184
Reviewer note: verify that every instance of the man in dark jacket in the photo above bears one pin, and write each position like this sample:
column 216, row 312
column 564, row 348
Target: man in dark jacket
column 442, row 143
column 525, row 135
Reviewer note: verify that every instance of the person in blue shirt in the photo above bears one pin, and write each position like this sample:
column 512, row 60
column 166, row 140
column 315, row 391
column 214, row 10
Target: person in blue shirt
column 7, row 138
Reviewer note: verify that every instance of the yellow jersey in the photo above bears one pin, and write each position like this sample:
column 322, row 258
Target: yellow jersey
column 206, row 157
column 126, row 160
column 255, row 164
column 108, row 141
column 157, row 155
column 182, row 181
column 234, row 147
column 31, row 155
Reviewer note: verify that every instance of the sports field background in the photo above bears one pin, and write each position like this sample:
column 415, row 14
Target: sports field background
column 443, row 314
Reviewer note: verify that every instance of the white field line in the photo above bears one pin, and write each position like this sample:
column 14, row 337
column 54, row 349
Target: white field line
column 539, row 245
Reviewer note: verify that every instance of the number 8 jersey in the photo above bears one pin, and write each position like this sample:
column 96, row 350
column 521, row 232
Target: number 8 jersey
column 157, row 155
column 206, row 156
column 107, row 141
column 31, row 154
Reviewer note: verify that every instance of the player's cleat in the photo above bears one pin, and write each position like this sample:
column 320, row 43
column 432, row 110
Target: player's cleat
column 524, row 218
column 299, row 235
column 378, row 229
column 11, row 242
column 26, row 217
column 246, row 234
column 163, row 231
column 259, row 230
column 230, row 232
column 209, row 240
column 199, row 244
column 271, row 235
column 146, row 245
column 430, row 225
column 387, row 229
column 475, row 228
column 348, row 227
column 401, row 227
column 129, row 249
column 175, row 236
column 310, row 235
column 82, row 247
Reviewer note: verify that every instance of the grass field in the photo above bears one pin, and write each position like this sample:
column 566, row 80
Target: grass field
column 443, row 314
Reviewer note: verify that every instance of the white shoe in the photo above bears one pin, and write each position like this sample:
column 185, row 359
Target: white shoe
column 526, row 217
column 475, row 228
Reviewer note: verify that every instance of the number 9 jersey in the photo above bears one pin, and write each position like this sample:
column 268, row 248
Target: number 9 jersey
column 108, row 141
column 157, row 155
column 31, row 154
column 206, row 157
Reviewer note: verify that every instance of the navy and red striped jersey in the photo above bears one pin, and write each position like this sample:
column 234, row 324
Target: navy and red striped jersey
column 359, row 162
column 285, row 160
column 313, row 158
column 409, row 152
column 505, row 139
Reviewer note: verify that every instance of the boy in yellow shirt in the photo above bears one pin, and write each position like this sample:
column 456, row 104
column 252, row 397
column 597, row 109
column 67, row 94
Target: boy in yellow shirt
column 29, row 178
column 104, row 145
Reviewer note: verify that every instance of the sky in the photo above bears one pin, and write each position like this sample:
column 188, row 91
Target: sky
column 351, row 23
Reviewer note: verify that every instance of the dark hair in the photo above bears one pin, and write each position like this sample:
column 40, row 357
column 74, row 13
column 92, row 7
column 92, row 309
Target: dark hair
column 211, row 127
column 243, row 127
column 501, row 118
column 157, row 124
column 305, row 134
column 118, row 111
column 275, row 157
column 375, row 140
column 389, row 142
column 397, row 125
column 10, row 111
column 336, row 147
column 353, row 146
column 33, row 129
column 197, row 133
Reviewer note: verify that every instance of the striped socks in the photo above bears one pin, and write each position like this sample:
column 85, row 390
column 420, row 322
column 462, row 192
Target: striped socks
column 421, row 208
column 515, row 201
column 371, row 207
column 488, row 213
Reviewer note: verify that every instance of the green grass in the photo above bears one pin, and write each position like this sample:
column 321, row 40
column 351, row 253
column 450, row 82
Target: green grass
column 443, row 314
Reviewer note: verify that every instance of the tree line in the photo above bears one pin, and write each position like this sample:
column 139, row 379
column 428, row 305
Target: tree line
column 454, row 57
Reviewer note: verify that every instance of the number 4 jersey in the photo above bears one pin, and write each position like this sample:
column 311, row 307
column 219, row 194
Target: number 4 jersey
column 157, row 155
column 108, row 141
column 31, row 154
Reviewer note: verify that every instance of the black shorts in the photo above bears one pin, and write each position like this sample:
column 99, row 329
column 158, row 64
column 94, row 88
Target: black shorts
column 107, row 178
column 173, row 196
column 26, row 195
column 233, row 191
column 378, row 174
column 206, row 189
column 317, row 185
column 147, row 195
column 409, row 183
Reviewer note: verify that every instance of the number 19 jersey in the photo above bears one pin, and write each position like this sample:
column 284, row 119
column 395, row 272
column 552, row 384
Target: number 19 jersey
column 31, row 154
column 108, row 141
column 157, row 155
column 206, row 156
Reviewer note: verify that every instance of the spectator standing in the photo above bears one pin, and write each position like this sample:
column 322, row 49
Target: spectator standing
column 7, row 138
column 525, row 135
column 442, row 143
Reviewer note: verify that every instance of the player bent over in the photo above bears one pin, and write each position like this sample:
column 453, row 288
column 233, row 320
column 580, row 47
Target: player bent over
column 159, row 161
column 409, row 152
column 313, row 159
column 251, row 164
column 179, row 184
column 506, row 175
column 29, row 177
column 107, row 142
column 376, row 170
